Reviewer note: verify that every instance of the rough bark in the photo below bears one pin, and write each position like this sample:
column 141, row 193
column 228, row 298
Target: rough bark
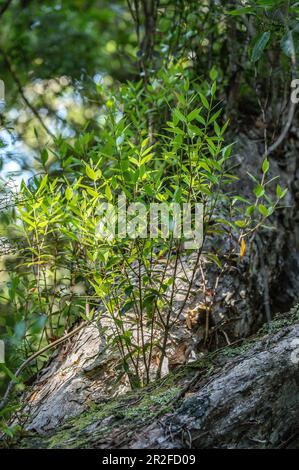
column 252, row 402
column 245, row 397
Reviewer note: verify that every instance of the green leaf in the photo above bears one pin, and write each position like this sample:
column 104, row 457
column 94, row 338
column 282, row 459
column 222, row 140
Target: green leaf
column 127, row 306
column 242, row 11
column 259, row 46
column 263, row 210
column 26, row 217
column 280, row 193
column 213, row 88
column 178, row 116
column 91, row 173
column 68, row 193
column 204, row 101
column 214, row 116
column 214, row 258
column 259, row 190
column 193, row 115
column 44, row 156
column 203, row 164
column 91, row 192
column 250, row 210
column 108, row 193
column 213, row 74
column 240, row 223
column 42, row 184
column 144, row 143
column 217, row 129
column 265, row 166
column 200, row 119
column 146, row 151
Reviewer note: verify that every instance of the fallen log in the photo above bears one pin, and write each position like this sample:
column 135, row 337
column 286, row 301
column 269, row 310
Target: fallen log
column 244, row 397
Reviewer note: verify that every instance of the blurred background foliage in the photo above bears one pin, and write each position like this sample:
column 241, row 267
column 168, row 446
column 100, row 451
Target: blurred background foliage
column 66, row 64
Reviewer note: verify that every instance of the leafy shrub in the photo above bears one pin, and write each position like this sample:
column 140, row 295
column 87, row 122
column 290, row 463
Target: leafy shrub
column 131, row 283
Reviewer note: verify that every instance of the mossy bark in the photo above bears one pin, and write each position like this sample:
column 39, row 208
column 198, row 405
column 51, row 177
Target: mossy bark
column 244, row 397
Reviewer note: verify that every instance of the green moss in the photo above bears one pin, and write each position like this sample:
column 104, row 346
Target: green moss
column 136, row 408
column 149, row 405
column 236, row 351
column 126, row 412
column 281, row 321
